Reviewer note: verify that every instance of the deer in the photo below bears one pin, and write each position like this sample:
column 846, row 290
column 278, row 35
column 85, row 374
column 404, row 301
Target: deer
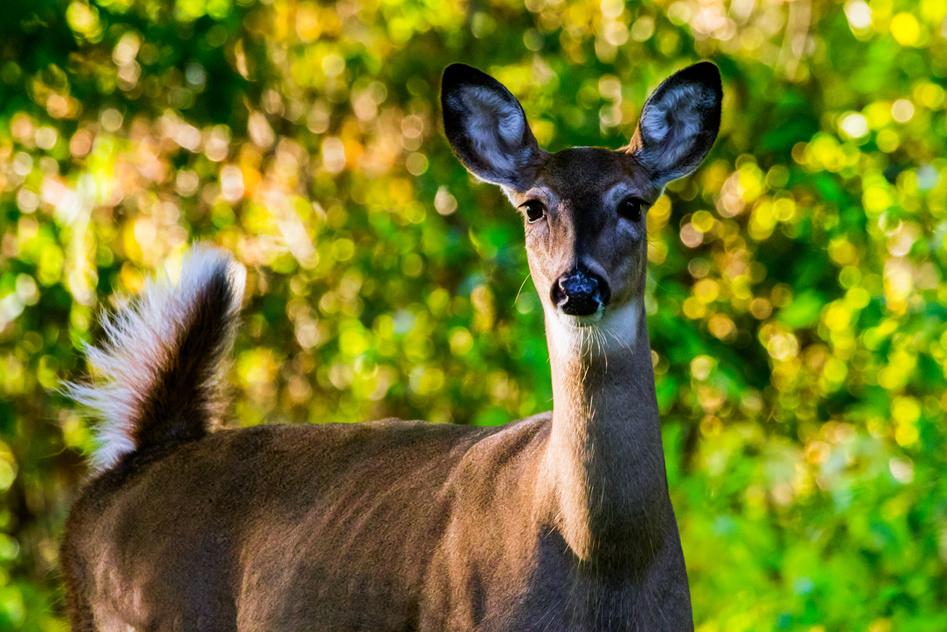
column 560, row 521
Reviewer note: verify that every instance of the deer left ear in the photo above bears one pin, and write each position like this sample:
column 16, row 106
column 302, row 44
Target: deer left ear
column 487, row 129
column 679, row 123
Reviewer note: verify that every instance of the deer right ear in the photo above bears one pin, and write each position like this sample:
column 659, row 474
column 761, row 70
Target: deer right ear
column 487, row 129
column 679, row 123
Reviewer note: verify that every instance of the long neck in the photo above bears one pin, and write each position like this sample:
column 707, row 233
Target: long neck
column 604, row 460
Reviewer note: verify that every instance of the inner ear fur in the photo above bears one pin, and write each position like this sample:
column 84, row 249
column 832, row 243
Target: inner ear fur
column 487, row 129
column 679, row 123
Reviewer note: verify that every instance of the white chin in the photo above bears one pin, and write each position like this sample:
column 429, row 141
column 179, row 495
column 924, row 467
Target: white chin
column 601, row 332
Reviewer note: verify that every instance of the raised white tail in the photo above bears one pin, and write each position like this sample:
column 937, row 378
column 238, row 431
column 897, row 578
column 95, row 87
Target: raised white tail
column 157, row 375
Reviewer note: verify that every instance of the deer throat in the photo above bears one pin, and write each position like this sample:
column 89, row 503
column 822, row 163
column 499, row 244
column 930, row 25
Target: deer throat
column 604, row 460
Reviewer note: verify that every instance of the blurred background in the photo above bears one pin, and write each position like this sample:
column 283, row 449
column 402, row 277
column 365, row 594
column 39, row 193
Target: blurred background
column 796, row 296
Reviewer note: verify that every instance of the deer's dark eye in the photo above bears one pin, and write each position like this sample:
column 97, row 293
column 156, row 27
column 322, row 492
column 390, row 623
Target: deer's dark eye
column 534, row 210
column 630, row 209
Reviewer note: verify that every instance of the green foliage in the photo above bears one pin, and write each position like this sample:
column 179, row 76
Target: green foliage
column 796, row 296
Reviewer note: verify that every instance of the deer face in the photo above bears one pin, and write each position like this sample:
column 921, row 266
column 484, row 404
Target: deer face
column 585, row 231
column 584, row 208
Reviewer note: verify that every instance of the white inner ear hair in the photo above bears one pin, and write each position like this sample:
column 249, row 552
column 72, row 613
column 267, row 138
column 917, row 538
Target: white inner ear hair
column 493, row 119
column 672, row 123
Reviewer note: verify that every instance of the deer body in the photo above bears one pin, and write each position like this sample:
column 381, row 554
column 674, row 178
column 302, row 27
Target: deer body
column 557, row 522
column 290, row 551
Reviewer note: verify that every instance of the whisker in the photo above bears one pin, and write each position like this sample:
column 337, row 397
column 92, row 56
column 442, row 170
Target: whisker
column 522, row 285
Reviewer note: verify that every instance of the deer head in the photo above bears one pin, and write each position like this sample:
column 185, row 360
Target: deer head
column 584, row 207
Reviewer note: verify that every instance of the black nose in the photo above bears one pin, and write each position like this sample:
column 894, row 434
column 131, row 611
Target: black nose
column 580, row 293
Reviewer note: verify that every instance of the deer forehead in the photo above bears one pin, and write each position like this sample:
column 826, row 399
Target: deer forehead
column 587, row 176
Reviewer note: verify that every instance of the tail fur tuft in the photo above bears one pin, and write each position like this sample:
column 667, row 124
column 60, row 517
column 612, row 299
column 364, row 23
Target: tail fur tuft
column 158, row 375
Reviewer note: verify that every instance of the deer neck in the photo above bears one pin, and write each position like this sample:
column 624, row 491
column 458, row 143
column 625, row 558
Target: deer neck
column 604, row 461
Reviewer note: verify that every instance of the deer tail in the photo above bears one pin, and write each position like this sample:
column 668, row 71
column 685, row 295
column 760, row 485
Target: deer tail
column 157, row 377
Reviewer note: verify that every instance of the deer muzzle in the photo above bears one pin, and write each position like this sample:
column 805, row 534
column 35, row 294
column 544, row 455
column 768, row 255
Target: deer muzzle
column 580, row 292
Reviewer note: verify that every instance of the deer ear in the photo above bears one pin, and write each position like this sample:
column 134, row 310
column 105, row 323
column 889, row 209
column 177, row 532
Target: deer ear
column 487, row 129
column 679, row 123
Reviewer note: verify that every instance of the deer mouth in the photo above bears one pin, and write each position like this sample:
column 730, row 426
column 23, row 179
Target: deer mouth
column 591, row 320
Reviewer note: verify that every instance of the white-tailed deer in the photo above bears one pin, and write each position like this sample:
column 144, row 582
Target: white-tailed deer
column 557, row 522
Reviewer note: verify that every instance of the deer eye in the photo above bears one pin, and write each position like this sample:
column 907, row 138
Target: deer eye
column 630, row 209
column 534, row 210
